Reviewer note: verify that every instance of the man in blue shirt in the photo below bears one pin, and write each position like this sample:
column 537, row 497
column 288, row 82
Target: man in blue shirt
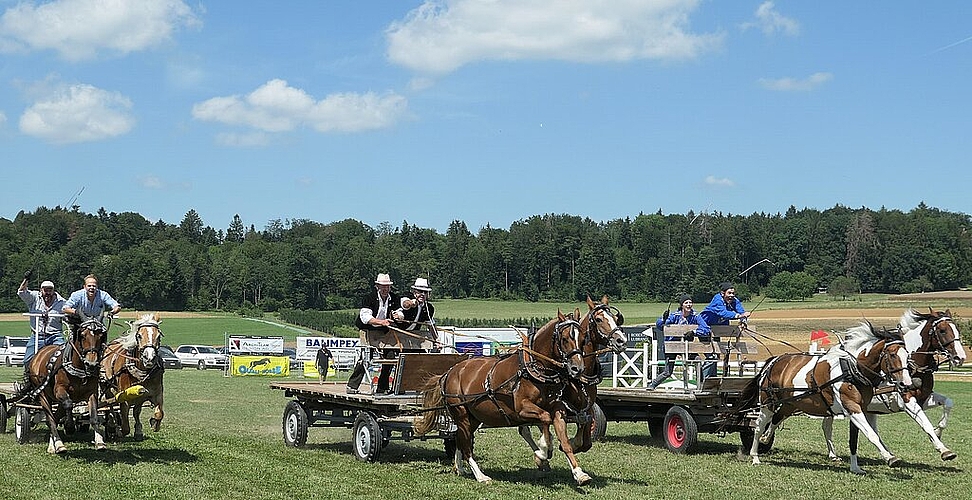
column 723, row 308
column 90, row 301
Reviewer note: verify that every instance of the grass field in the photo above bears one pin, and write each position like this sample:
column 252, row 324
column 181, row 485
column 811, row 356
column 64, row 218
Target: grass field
column 221, row 438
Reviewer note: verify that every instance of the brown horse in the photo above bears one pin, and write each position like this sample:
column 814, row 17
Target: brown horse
column 67, row 374
column 133, row 359
column 603, row 333
column 929, row 339
column 508, row 391
column 841, row 381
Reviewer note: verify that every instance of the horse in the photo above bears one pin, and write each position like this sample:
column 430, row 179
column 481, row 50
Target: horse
column 841, row 381
column 134, row 359
column 928, row 338
column 68, row 373
column 521, row 388
column 602, row 326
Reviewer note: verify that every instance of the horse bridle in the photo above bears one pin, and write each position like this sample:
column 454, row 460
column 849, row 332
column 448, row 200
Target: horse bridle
column 602, row 339
column 554, row 375
column 941, row 350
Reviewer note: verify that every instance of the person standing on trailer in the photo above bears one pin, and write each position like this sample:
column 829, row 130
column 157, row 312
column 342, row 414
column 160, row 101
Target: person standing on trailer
column 45, row 329
column 373, row 320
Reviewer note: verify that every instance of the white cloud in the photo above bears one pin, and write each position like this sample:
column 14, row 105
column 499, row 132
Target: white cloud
column 712, row 180
column 250, row 140
column 443, row 35
column 3, row 118
column 78, row 113
column 80, row 29
column 278, row 107
column 151, row 182
column 792, row 84
column 771, row 22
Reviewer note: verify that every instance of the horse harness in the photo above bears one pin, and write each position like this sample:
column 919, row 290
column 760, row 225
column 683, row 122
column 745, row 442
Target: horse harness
column 56, row 361
column 528, row 369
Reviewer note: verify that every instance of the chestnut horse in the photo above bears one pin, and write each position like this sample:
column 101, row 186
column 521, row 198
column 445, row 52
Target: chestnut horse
column 67, row 374
column 603, row 333
column 841, row 381
column 929, row 338
column 133, row 359
column 522, row 388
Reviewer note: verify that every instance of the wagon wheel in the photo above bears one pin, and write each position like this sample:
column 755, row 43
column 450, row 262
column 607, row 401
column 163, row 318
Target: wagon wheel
column 366, row 440
column 656, row 428
column 3, row 415
column 746, row 437
column 295, row 425
column 22, row 425
column 598, row 423
column 681, row 433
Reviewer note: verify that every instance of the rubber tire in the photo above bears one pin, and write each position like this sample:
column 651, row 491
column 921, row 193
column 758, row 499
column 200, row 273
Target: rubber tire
column 294, row 425
column 3, row 415
column 8, row 362
column 656, row 428
column 598, row 423
column 366, row 437
column 22, row 425
column 201, row 365
column 746, row 438
column 681, row 432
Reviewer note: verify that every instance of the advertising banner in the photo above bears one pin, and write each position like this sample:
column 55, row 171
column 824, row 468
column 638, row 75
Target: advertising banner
column 310, row 370
column 345, row 350
column 239, row 344
column 260, row 366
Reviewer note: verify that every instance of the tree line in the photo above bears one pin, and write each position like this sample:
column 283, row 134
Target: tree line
column 306, row 265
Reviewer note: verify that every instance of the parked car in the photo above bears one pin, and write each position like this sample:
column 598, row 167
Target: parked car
column 12, row 350
column 291, row 353
column 169, row 360
column 200, row 356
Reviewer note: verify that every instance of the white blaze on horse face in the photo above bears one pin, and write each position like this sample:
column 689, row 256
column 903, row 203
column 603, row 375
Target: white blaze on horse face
column 959, row 350
column 903, row 374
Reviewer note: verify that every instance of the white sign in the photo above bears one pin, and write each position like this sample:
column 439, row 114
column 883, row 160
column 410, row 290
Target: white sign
column 307, row 346
column 255, row 345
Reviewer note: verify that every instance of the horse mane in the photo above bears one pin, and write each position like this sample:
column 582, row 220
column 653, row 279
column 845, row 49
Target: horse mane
column 130, row 339
column 859, row 335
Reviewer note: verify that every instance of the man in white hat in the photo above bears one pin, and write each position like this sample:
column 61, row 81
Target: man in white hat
column 372, row 321
column 45, row 323
column 416, row 310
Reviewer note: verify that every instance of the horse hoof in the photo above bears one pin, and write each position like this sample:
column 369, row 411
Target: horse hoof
column 894, row 462
column 101, row 447
column 60, row 450
column 859, row 472
column 584, row 480
column 139, row 437
column 948, row 455
column 836, row 459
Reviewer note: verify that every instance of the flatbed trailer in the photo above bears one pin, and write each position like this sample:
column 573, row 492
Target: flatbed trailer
column 677, row 416
column 374, row 420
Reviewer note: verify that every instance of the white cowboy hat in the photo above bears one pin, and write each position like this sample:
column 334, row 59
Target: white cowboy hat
column 47, row 284
column 383, row 279
column 422, row 284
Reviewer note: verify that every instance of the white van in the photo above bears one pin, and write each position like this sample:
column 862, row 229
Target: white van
column 12, row 350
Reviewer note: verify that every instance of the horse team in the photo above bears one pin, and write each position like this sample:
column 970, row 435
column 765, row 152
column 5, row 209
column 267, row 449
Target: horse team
column 551, row 378
column 89, row 368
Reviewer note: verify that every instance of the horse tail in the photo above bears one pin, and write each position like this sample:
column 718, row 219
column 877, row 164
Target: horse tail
column 433, row 406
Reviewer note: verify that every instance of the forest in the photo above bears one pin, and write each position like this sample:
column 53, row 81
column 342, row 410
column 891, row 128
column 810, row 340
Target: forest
column 306, row 265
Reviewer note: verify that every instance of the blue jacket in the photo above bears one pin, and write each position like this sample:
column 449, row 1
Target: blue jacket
column 719, row 313
column 676, row 318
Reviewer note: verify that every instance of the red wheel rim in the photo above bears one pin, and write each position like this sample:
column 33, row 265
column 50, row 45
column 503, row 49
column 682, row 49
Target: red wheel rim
column 676, row 431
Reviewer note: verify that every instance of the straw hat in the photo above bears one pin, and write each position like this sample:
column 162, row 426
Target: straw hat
column 383, row 279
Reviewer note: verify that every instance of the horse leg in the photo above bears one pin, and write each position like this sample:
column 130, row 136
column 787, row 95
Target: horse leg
column 863, row 422
column 827, row 424
column 541, row 450
column 156, row 420
column 914, row 410
column 946, row 403
column 762, row 422
column 560, row 426
column 137, row 417
column 67, row 406
column 465, row 429
column 97, row 423
column 852, row 440
column 54, row 444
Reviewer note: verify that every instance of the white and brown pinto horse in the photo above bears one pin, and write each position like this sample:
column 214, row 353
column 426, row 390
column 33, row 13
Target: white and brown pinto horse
column 930, row 340
column 133, row 359
column 507, row 391
column 840, row 382
column 602, row 325
column 66, row 374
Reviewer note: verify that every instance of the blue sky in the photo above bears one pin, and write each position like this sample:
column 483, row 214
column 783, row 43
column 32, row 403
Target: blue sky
column 485, row 111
